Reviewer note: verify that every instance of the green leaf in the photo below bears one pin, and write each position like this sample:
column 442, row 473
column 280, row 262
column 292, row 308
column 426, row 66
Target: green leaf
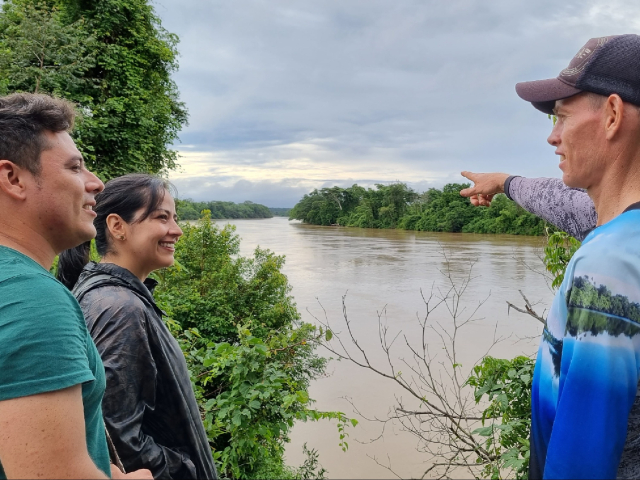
column 483, row 431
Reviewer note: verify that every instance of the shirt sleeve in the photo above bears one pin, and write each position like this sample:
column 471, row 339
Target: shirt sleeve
column 43, row 338
column 119, row 328
column 597, row 384
column 569, row 209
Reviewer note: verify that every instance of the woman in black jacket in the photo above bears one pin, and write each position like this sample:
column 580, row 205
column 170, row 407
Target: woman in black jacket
column 149, row 406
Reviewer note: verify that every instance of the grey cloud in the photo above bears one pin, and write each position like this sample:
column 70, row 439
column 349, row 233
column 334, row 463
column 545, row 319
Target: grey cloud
column 285, row 193
column 430, row 83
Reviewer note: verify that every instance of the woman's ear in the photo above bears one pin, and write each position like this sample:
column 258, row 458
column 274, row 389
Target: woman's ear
column 117, row 227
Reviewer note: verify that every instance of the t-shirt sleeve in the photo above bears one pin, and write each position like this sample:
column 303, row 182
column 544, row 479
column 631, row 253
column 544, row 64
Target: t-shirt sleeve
column 598, row 377
column 43, row 338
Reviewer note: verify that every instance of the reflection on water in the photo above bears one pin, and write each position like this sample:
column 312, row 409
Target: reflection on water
column 378, row 268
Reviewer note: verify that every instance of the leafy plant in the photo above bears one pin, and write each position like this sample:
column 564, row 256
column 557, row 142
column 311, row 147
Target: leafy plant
column 559, row 250
column 250, row 358
column 506, row 421
column 214, row 289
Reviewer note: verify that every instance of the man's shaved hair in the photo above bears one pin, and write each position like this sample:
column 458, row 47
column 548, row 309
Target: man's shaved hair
column 24, row 119
column 596, row 100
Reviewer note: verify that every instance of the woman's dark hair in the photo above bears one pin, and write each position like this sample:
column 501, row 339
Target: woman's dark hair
column 122, row 196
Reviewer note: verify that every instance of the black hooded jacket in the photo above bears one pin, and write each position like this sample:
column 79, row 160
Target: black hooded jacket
column 149, row 407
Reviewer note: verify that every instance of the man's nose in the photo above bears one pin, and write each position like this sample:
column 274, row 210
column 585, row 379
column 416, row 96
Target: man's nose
column 94, row 184
column 554, row 137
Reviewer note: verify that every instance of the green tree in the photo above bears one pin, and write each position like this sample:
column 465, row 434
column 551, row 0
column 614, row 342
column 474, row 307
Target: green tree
column 398, row 206
column 39, row 53
column 115, row 60
column 135, row 113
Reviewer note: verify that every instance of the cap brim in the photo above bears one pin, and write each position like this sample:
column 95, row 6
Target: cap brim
column 543, row 93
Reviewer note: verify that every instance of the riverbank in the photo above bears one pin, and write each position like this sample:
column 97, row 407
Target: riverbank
column 397, row 206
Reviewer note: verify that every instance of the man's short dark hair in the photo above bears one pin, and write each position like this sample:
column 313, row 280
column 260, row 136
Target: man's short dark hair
column 24, row 118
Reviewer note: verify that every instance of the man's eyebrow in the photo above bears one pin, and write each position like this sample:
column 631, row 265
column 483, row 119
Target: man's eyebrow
column 76, row 158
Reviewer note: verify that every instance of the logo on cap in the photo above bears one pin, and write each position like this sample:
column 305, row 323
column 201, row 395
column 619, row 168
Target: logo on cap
column 580, row 61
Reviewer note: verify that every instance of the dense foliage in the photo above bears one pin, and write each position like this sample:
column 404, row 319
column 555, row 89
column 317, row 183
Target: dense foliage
column 190, row 210
column 559, row 250
column 398, row 206
column 506, row 384
column 250, row 357
column 112, row 58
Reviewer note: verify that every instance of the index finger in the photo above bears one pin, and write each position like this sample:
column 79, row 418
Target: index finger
column 470, row 175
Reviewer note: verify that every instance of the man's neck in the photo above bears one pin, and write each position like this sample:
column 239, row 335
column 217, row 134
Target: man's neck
column 615, row 192
column 17, row 236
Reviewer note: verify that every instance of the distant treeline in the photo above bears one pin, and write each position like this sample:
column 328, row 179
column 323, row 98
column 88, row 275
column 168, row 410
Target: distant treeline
column 190, row 210
column 398, row 206
column 280, row 212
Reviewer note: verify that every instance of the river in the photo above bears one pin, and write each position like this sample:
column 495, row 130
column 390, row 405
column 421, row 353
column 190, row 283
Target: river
column 386, row 269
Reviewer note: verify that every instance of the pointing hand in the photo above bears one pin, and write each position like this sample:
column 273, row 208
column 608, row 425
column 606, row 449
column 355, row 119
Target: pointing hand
column 486, row 185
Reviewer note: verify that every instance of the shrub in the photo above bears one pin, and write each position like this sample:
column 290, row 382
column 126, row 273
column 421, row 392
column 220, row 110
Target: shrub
column 250, row 358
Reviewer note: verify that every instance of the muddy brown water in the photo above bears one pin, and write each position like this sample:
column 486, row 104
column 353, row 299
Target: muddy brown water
column 384, row 270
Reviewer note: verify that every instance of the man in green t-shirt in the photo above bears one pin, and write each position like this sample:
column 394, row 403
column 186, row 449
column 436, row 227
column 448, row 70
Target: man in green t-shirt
column 51, row 376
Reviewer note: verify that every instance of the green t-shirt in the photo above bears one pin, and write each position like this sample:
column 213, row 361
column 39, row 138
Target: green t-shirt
column 45, row 345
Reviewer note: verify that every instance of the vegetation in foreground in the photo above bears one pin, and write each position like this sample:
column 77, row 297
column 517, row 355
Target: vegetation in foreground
column 398, row 206
column 250, row 357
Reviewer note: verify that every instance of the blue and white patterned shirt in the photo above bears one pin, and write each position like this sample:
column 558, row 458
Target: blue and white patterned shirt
column 585, row 403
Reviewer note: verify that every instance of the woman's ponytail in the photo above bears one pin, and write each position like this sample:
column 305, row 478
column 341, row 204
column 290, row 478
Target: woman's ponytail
column 71, row 262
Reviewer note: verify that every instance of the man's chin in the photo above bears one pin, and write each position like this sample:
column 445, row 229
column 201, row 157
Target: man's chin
column 82, row 237
column 571, row 182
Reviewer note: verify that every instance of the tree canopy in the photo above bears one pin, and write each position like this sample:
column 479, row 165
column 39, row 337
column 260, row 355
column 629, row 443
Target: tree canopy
column 190, row 210
column 112, row 58
column 398, row 206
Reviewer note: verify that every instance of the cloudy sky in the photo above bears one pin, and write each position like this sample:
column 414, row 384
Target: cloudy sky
column 289, row 95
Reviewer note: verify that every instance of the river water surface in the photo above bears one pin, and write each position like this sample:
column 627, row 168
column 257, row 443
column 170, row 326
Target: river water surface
column 386, row 269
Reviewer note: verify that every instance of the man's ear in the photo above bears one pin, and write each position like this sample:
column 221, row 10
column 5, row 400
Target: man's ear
column 12, row 180
column 614, row 110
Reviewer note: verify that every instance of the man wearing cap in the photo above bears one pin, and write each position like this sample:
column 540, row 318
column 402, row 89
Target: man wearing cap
column 585, row 417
